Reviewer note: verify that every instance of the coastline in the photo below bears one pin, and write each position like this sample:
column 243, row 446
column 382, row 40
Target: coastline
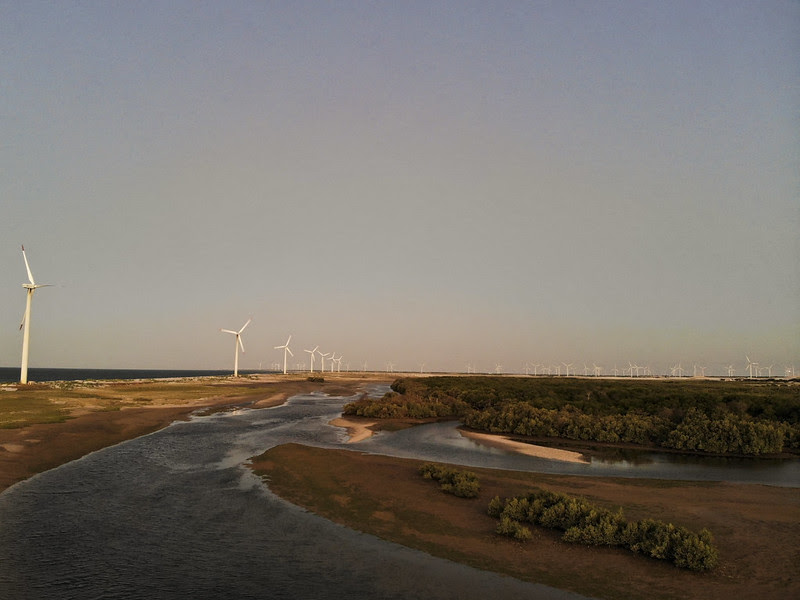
column 103, row 413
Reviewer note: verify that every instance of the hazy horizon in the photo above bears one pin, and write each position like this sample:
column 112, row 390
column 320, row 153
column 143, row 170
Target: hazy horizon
column 442, row 183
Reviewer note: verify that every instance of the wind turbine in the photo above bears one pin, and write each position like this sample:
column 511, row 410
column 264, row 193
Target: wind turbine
column 286, row 350
column 26, row 319
column 568, row 366
column 237, row 344
column 322, row 360
column 750, row 365
column 311, row 352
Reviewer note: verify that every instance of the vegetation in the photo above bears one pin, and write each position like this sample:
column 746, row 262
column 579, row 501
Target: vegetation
column 463, row 484
column 584, row 523
column 721, row 417
column 756, row 527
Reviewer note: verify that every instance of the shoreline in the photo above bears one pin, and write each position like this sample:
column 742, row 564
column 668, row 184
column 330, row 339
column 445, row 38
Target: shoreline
column 503, row 442
column 360, row 428
column 99, row 414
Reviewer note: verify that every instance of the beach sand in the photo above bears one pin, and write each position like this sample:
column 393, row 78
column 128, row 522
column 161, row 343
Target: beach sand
column 358, row 429
column 504, row 443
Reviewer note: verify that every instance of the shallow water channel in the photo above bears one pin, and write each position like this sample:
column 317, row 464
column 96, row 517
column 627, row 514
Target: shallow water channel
column 176, row 514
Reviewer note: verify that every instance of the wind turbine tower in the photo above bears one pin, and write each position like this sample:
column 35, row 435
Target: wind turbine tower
column 311, row 352
column 322, row 359
column 237, row 344
column 286, row 350
column 26, row 319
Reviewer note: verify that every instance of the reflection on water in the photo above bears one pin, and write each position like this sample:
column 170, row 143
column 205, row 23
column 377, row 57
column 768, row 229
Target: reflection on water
column 443, row 443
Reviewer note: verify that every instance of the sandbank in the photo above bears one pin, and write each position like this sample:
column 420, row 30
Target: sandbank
column 505, row 443
column 357, row 429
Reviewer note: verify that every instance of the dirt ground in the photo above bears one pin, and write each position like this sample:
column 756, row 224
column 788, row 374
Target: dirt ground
column 755, row 527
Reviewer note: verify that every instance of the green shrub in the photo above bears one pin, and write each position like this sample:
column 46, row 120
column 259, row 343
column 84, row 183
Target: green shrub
column 584, row 523
column 463, row 484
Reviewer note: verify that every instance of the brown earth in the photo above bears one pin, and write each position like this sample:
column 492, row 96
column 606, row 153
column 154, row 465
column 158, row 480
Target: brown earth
column 755, row 527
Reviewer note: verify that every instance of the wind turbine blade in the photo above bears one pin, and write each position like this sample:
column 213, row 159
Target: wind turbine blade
column 241, row 345
column 245, row 325
column 229, row 331
column 288, row 340
column 27, row 267
column 289, row 351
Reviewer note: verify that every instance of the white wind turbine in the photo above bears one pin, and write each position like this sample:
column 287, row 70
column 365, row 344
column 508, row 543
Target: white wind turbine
column 311, row 352
column 750, row 365
column 322, row 360
column 286, row 350
column 237, row 344
column 26, row 319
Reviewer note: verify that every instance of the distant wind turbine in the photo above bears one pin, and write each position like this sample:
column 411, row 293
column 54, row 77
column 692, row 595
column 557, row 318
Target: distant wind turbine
column 237, row 344
column 322, row 360
column 286, row 350
column 750, row 365
column 31, row 287
column 311, row 352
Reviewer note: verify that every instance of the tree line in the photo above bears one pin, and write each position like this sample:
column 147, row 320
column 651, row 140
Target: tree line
column 721, row 417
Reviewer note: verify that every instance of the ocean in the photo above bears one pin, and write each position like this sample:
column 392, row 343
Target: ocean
column 11, row 374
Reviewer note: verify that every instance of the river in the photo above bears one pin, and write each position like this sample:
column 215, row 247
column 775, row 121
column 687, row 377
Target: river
column 177, row 514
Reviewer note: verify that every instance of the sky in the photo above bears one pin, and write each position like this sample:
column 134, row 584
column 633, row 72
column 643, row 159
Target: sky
column 447, row 183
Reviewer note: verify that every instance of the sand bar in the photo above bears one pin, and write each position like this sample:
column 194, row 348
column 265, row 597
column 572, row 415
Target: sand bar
column 357, row 429
column 504, row 443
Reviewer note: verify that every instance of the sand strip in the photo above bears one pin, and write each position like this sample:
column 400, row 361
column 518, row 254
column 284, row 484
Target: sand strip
column 504, row 443
column 357, row 429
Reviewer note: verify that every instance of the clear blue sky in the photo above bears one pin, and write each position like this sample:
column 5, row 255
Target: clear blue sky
column 438, row 182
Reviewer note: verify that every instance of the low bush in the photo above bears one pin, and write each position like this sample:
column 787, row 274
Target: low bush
column 463, row 484
column 584, row 523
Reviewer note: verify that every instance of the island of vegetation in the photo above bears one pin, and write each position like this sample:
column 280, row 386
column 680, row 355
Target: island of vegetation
column 744, row 418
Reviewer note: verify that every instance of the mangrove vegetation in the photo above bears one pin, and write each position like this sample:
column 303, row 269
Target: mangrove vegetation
column 709, row 416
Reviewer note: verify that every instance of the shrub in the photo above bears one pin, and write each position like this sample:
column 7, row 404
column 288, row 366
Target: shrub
column 586, row 524
column 463, row 484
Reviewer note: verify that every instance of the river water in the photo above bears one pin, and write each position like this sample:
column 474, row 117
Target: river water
column 177, row 514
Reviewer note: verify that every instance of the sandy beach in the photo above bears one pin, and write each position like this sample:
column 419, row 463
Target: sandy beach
column 504, row 443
